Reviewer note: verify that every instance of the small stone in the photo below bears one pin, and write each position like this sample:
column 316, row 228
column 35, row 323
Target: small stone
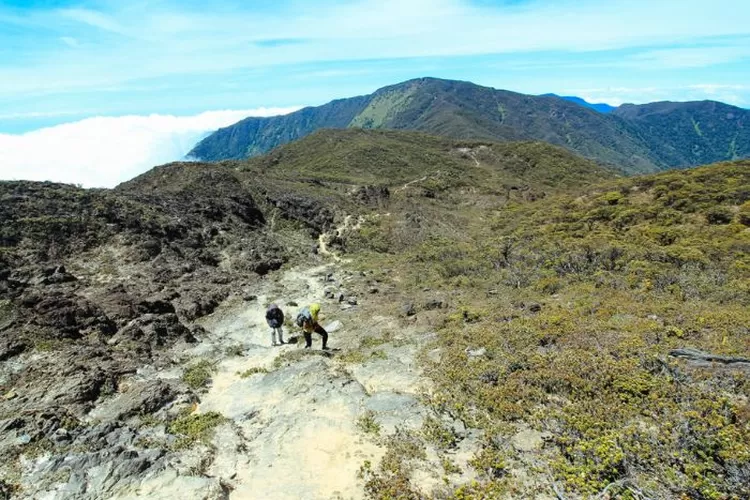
column 408, row 309
column 10, row 395
column 24, row 439
column 249, row 297
column 341, row 297
column 352, row 301
column 373, row 290
column 292, row 303
column 535, row 308
column 329, row 294
column 61, row 435
column 528, row 440
column 433, row 304
column 333, row 326
column 476, row 353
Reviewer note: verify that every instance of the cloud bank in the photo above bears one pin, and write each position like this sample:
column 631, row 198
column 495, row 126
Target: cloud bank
column 104, row 151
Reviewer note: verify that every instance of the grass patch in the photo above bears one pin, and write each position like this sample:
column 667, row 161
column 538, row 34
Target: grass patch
column 199, row 375
column 195, row 427
column 252, row 371
column 367, row 423
column 235, row 350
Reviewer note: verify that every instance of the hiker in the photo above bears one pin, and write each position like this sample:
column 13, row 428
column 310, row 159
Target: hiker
column 275, row 320
column 308, row 320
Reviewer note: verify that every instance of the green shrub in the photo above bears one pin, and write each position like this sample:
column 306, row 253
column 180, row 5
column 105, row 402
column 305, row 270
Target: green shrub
column 719, row 215
column 252, row 371
column 196, row 427
column 744, row 214
column 367, row 423
column 199, row 375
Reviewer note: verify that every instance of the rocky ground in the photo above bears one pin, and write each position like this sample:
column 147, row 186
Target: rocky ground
column 291, row 423
column 135, row 361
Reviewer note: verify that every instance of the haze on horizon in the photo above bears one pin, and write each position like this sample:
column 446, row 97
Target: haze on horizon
column 94, row 92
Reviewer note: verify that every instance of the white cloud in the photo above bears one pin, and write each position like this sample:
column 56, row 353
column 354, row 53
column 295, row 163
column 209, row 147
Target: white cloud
column 104, row 151
column 174, row 39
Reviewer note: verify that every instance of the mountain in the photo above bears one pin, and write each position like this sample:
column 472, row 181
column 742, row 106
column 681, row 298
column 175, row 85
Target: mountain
column 600, row 107
column 467, row 111
column 691, row 133
column 455, row 109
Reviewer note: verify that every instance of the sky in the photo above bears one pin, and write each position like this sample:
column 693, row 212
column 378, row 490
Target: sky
column 94, row 91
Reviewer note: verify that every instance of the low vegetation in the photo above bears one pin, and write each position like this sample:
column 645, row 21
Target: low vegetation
column 195, row 427
column 368, row 424
column 577, row 301
column 198, row 375
column 252, row 371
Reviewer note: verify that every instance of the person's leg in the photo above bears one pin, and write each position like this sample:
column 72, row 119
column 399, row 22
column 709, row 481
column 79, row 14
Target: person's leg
column 281, row 335
column 273, row 336
column 308, row 339
column 323, row 333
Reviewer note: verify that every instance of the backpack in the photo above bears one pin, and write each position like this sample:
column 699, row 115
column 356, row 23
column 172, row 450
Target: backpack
column 303, row 317
column 301, row 320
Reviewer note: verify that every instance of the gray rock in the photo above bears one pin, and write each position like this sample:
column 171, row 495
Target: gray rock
column 352, row 301
column 141, row 398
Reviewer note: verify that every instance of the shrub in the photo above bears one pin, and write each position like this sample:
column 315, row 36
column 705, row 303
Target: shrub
column 744, row 214
column 196, row 427
column 198, row 375
column 367, row 423
column 719, row 215
column 252, row 371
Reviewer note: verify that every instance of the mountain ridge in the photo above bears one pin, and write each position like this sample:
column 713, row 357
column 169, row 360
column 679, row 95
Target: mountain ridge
column 465, row 110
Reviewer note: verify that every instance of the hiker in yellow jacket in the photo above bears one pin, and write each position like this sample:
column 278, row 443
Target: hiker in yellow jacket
column 308, row 320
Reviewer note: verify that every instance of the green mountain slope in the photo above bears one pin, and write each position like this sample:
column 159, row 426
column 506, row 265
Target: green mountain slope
column 566, row 318
column 691, row 133
column 391, row 158
column 467, row 111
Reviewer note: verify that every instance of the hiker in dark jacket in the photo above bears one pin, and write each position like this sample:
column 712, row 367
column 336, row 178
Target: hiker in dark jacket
column 275, row 320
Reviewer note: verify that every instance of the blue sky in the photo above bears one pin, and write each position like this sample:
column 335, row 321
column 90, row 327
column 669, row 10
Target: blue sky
column 66, row 61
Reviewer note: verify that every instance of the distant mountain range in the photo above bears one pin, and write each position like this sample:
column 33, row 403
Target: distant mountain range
column 632, row 138
column 600, row 107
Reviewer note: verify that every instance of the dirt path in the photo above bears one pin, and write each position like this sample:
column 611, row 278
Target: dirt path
column 292, row 431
